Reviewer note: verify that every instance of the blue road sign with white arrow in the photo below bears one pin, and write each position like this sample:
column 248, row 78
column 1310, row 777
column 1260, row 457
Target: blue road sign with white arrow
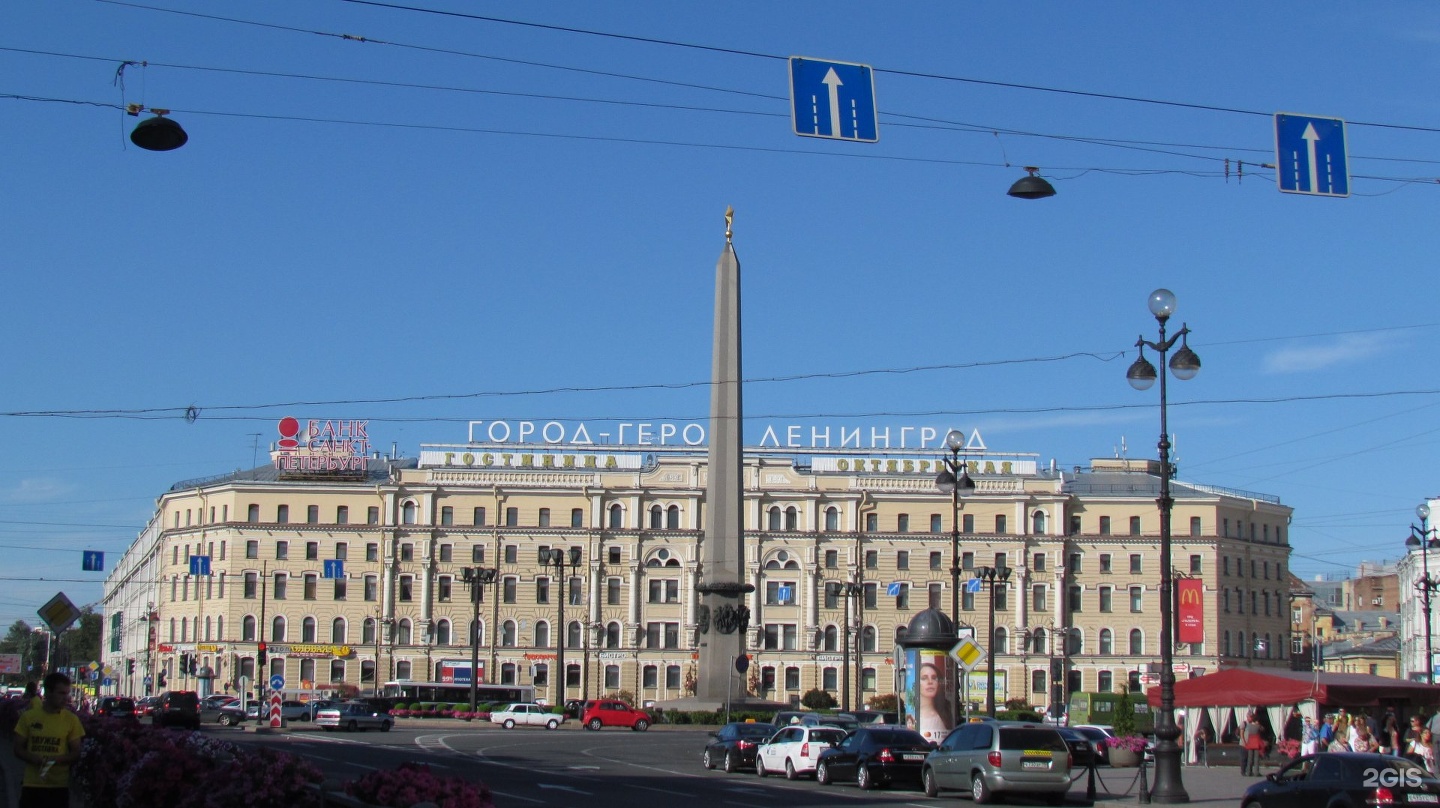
column 1310, row 155
column 974, row 585
column 894, row 589
column 199, row 565
column 834, row 100
column 333, row 568
column 92, row 561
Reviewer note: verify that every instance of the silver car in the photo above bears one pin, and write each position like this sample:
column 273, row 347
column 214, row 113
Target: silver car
column 353, row 716
column 992, row 759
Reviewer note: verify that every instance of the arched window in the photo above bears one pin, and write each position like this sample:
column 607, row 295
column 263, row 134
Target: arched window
column 775, row 519
column 1076, row 642
column 612, row 635
column 277, row 629
column 832, row 638
column 867, row 639
column 442, row 632
column 573, row 634
column 337, row 631
column 1037, row 523
column 337, row 670
column 1002, row 641
column 1107, row 642
column 1037, row 680
column 1037, row 641
column 542, row 634
column 407, row 512
column 247, row 628
column 403, row 636
column 1137, row 641
column 507, row 634
column 402, row 669
column 1106, row 681
column 832, row 518
column 617, row 516
column 657, row 516
column 367, row 631
column 792, row 519
column 307, row 630
column 672, row 518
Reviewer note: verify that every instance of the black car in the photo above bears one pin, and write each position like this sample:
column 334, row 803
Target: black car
column 116, row 707
column 733, row 746
column 1096, row 737
column 177, row 708
column 874, row 755
column 1344, row 780
column 1082, row 751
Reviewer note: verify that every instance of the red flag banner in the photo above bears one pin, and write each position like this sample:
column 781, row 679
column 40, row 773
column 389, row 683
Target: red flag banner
column 1191, row 614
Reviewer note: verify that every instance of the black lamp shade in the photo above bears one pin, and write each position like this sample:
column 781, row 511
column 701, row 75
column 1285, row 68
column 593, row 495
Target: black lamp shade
column 1031, row 187
column 158, row 134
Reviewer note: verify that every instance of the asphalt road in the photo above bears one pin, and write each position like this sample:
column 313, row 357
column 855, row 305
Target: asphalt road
column 613, row 768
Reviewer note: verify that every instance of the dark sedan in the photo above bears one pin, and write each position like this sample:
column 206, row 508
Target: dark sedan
column 733, row 747
column 1096, row 737
column 874, row 755
column 1082, row 751
column 1344, row 780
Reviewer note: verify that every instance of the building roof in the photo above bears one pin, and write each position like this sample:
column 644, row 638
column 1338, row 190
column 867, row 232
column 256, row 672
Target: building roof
column 377, row 470
column 1383, row 646
column 1365, row 620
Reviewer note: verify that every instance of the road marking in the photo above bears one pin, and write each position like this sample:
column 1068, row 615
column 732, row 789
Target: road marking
column 515, row 796
column 563, row 788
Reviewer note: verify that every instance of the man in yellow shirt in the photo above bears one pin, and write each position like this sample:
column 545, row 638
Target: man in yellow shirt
column 47, row 738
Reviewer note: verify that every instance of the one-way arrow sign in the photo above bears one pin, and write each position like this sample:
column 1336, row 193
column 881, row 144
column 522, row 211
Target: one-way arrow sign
column 1310, row 155
column 833, row 100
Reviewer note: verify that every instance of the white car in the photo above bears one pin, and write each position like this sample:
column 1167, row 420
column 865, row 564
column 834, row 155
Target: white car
column 794, row 749
column 522, row 715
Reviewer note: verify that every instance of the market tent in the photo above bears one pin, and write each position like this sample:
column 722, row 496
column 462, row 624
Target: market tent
column 1251, row 686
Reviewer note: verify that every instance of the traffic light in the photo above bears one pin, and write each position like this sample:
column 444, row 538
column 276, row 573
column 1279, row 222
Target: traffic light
column 160, row 680
column 260, row 656
column 130, row 666
column 184, row 664
column 194, row 664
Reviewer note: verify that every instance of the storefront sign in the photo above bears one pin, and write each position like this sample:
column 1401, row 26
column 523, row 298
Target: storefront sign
column 666, row 433
column 1190, row 592
column 310, row 651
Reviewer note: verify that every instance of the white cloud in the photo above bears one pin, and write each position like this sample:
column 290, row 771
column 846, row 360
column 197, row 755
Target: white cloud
column 36, row 490
column 1347, row 349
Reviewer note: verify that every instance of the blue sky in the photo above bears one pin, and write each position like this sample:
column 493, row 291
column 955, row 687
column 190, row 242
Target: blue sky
column 494, row 212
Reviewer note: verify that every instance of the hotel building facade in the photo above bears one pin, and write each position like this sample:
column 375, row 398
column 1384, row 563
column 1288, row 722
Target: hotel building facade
column 350, row 568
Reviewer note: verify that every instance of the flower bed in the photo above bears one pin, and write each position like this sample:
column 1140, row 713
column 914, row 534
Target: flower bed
column 1129, row 743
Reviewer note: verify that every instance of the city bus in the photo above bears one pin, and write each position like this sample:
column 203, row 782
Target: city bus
column 409, row 692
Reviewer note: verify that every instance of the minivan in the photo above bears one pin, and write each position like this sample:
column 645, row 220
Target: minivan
column 991, row 759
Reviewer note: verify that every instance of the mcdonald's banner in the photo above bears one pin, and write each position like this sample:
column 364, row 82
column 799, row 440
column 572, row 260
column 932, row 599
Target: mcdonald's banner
column 1191, row 613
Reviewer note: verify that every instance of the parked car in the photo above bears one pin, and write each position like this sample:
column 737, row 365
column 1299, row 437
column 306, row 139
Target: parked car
column 611, row 713
column 734, row 745
column 146, row 706
column 353, row 716
column 873, row 717
column 1082, row 751
column 1349, row 779
column 526, row 715
column 575, row 708
column 794, row 749
column 216, row 701
column 991, row 760
column 232, row 714
column 314, row 706
column 874, row 755
column 1097, row 736
column 178, row 708
column 116, row 707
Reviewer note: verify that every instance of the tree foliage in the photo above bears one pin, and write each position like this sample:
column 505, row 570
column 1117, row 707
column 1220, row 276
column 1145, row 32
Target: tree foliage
column 817, row 699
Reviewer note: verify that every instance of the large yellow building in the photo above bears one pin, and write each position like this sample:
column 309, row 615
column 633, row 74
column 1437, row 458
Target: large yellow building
column 1082, row 546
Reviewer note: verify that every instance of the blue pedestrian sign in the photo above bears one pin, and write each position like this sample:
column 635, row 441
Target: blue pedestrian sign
column 974, row 585
column 1310, row 155
column 199, row 565
column 894, row 589
column 277, row 682
column 833, row 100
column 333, row 568
column 92, row 561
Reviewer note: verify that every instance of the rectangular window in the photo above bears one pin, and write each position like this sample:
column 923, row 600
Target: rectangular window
column 872, row 559
column 407, row 587
column 1000, row 523
column 372, row 515
column 280, row 587
column 613, row 556
column 478, row 517
column 1134, row 563
column 282, row 550
column 967, row 600
column 1002, row 597
column 1000, row 561
column 512, row 554
column 1037, row 598
column 444, row 585
column 312, row 514
column 512, row 517
column 902, row 523
column 544, row 517
column 935, row 525
column 934, row 592
column 902, row 560
column 1038, row 562
column 542, row 590
column 372, row 588
column 832, row 559
column 1074, row 525
column 312, row 551
column 1134, row 526
column 577, row 517
column 1106, row 598
column 339, row 592
column 872, row 522
column 509, row 590
column 252, row 549
column 1104, row 526
column 447, row 515
column 342, row 514
column 342, row 550
column 650, row 676
column 967, row 561
column 407, row 551
column 1137, row 599
column 612, row 591
column 902, row 600
column 870, row 596
column 252, row 513
column 1075, row 599
column 282, row 514
column 779, row 593
column 1076, row 560
column 311, row 581
column 787, row 637
column 1194, row 565
column 1194, row 526
column 1105, row 562
column 967, row 523
column 664, row 591
column 936, row 560
column 252, row 580
column 372, row 551
column 772, row 637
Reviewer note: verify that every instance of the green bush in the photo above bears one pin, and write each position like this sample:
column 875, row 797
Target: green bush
column 817, row 699
column 1017, row 715
column 1124, row 721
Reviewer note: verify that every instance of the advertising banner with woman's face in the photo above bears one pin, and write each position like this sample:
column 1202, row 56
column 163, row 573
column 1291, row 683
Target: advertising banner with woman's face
column 929, row 692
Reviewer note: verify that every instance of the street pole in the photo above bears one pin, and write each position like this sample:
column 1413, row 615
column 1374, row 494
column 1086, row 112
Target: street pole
column 994, row 576
column 1423, row 542
column 954, row 479
column 477, row 578
column 1169, row 786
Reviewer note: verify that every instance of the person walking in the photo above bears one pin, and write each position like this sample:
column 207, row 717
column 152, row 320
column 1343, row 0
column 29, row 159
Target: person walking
column 1254, row 746
column 47, row 739
column 1422, row 750
column 1327, row 734
column 1310, row 737
column 1390, row 734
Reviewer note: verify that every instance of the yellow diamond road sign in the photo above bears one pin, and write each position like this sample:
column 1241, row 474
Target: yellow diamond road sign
column 968, row 653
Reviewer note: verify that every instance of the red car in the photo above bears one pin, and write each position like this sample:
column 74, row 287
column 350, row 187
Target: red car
column 612, row 713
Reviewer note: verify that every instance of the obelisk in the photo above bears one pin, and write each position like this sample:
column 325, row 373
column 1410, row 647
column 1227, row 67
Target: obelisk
column 723, row 615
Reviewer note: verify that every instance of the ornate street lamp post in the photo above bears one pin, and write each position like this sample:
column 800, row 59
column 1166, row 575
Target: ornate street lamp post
column 478, row 578
column 955, row 480
column 1423, row 538
column 557, row 558
column 993, row 576
column 1169, row 787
